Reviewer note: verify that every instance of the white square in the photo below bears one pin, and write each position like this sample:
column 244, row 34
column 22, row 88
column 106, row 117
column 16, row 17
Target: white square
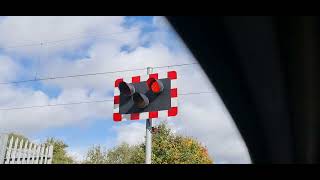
column 144, row 115
column 144, row 78
column 162, row 75
column 174, row 102
column 127, row 79
column 116, row 91
column 163, row 113
column 126, row 116
column 174, row 83
column 116, row 108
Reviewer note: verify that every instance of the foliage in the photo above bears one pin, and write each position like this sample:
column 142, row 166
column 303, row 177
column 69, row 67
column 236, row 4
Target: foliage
column 122, row 154
column 96, row 155
column 60, row 155
column 125, row 154
column 167, row 148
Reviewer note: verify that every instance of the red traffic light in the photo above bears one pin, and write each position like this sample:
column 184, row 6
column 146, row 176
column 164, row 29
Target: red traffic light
column 126, row 89
column 140, row 100
column 155, row 85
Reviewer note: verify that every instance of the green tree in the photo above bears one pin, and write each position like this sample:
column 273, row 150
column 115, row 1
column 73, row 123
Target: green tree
column 125, row 154
column 167, row 148
column 122, row 154
column 60, row 155
column 96, row 155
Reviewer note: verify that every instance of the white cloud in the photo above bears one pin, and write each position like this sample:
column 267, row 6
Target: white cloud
column 132, row 133
column 33, row 120
column 8, row 68
column 200, row 116
column 25, row 30
column 77, row 153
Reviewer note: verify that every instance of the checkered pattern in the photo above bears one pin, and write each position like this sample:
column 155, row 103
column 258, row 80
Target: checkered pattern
column 173, row 111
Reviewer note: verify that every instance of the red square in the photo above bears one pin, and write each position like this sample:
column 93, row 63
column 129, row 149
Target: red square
column 117, row 82
column 172, row 75
column 136, row 79
column 116, row 99
column 174, row 92
column 153, row 114
column 173, row 111
column 135, row 116
column 117, row 117
column 153, row 75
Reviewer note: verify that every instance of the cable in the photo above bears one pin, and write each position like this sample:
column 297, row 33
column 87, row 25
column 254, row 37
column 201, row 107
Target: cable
column 50, row 105
column 193, row 93
column 91, row 74
column 176, row 65
column 67, row 39
column 81, row 102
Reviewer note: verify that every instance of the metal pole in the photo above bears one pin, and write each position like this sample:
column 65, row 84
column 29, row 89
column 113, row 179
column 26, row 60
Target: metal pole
column 148, row 132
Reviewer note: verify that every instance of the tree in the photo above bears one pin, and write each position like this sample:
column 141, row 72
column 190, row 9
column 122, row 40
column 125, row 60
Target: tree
column 96, row 155
column 167, row 148
column 125, row 154
column 122, row 154
column 59, row 152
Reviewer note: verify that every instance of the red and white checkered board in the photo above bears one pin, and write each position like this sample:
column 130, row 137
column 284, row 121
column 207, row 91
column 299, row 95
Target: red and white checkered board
column 173, row 111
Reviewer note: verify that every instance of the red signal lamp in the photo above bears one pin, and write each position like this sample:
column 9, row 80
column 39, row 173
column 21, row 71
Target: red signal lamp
column 126, row 89
column 140, row 100
column 155, row 85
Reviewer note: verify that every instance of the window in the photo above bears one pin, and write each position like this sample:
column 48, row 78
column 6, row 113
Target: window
column 57, row 78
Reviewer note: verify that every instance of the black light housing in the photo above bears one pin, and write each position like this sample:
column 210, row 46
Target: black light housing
column 126, row 89
column 140, row 100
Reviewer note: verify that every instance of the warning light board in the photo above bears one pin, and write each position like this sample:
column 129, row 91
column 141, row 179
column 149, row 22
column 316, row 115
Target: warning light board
column 142, row 97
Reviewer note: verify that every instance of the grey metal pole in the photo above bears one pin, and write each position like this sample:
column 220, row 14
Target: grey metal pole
column 148, row 132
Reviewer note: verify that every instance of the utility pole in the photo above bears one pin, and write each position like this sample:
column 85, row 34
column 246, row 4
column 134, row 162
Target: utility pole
column 148, row 132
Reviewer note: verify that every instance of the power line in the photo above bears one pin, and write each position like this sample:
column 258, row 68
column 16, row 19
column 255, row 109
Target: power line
column 91, row 74
column 66, row 39
column 194, row 93
column 175, row 65
column 81, row 102
column 50, row 105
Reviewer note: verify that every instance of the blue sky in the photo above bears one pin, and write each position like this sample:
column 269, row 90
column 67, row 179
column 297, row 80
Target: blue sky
column 97, row 131
column 100, row 44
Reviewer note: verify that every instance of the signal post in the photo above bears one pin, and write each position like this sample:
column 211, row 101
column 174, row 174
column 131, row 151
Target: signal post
column 146, row 97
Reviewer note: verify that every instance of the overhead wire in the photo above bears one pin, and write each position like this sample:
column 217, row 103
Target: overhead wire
column 92, row 74
column 80, row 102
column 41, row 43
column 66, row 39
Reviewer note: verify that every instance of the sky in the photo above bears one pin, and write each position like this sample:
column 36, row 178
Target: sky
column 42, row 47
